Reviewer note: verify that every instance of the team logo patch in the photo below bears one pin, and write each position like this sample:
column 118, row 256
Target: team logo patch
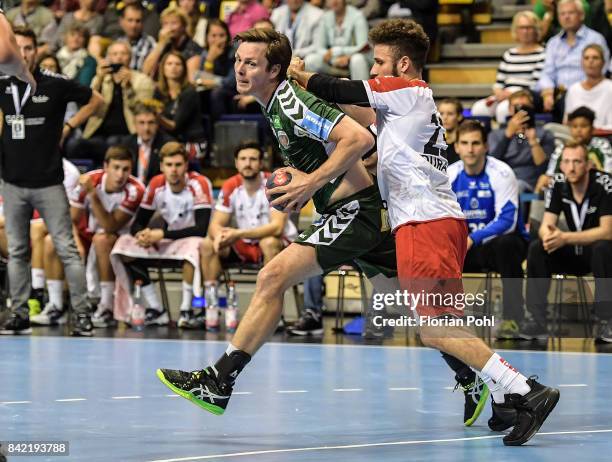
column 276, row 122
column 283, row 139
column 474, row 203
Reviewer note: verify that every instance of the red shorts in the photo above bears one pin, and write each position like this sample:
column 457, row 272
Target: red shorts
column 248, row 252
column 430, row 259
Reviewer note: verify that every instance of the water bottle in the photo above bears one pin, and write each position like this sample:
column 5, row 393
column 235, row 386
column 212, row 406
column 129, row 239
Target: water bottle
column 137, row 315
column 212, row 308
column 231, row 312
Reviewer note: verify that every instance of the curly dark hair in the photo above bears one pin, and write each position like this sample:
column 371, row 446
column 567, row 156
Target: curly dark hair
column 405, row 36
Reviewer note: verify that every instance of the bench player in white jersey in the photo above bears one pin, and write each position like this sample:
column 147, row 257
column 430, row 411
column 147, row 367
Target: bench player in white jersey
column 109, row 197
column 261, row 232
column 184, row 201
column 38, row 232
column 430, row 231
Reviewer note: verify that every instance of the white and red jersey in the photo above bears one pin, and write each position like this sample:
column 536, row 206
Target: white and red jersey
column 127, row 200
column 178, row 209
column 249, row 211
column 411, row 164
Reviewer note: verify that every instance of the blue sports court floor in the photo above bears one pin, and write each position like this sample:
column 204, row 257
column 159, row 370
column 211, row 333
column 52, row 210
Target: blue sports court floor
column 293, row 403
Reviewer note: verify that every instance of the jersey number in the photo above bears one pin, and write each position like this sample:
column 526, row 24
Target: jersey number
column 430, row 147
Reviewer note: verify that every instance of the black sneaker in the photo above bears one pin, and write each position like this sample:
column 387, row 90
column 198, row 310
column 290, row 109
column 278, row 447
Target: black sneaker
column 200, row 387
column 16, row 325
column 504, row 416
column 310, row 323
column 156, row 318
column 532, row 410
column 476, row 395
column 82, row 325
column 604, row 332
column 533, row 331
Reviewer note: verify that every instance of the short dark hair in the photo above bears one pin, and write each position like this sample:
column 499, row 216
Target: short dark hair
column 455, row 102
column 405, row 36
column 248, row 144
column 118, row 152
column 471, row 125
column 134, row 6
column 172, row 148
column 25, row 31
column 583, row 112
column 278, row 49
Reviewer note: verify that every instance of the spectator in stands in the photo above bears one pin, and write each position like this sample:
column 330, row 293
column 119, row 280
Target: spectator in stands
column 49, row 62
column 451, row 111
column 38, row 233
column 311, row 320
column 197, row 22
column 32, row 174
column 581, row 130
column 260, row 233
column 182, row 115
column 595, row 92
column 85, row 16
column 109, row 197
column 523, row 146
column 520, row 67
column 74, row 59
column 371, row 9
column 146, row 143
column 173, row 37
column 246, row 14
column 121, row 87
column 264, row 23
column 584, row 195
column 112, row 26
column 132, row 25
column 497, row 239
column 299, row 21
column 34, row 16
column 216, row 79
column 3, row 244
column 595, row 17
column 562, row 65
column 184, row 201
column 341, row 43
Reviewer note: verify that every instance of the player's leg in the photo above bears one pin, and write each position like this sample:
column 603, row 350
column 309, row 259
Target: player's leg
column 211, row 388
column 38, row 231
column 102, row 244
column 55, row 312
column 437, row 267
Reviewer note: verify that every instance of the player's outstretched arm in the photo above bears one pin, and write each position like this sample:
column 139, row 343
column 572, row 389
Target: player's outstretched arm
column 11, row 62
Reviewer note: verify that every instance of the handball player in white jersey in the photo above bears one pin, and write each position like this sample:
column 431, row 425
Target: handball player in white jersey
column 430, row 230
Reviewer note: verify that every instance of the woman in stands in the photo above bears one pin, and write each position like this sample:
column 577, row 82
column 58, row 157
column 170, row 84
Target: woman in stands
column 595, row 92
column 451, row 112
column 215, row 76
column 182, row 114
column 196, row 28
column 519, row 69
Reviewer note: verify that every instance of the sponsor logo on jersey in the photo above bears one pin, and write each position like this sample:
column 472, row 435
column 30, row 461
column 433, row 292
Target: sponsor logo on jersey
column 484, row 185
column 317, row 125
column 484, row 193
column 40, row 98
column 472, row 185
column 475, row 214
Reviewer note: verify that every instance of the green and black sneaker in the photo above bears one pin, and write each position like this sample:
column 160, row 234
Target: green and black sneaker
column 476, row 395
column 200, row 387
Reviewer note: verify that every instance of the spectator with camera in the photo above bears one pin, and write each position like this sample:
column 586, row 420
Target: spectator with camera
column 584, row 196
column 132, row 25
column 121, row 87
column 520, row 144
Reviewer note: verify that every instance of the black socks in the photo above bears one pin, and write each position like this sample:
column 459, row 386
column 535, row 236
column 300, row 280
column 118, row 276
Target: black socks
column 229, row 366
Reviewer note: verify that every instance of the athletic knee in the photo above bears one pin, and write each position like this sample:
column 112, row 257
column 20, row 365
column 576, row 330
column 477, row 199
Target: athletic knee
column 270, row 246
column 104, row 242
column 38, row 231
column 272, row 279
column 49, row 246
column 206, row 247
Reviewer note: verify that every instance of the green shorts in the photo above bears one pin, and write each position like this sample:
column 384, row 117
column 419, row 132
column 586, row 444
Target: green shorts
column 354, row 230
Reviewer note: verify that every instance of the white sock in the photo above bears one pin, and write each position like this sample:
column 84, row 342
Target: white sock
column 230, row 349
column 150, row 297
column 56, row 292
column 38, row 278
column 187, row 294
column 505, row 375
column 107, row 294
column 497, row 391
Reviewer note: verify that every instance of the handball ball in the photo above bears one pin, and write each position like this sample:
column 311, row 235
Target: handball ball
column 278, row 178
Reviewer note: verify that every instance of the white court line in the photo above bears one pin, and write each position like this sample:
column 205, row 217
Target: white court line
column 367, row 445
column 341, row 390
column 448, row 388
column 403, row 389
column 16, row 402
column 291, row 391
column 126, row 397
column 572, row 385
column 70, row 400
column 242, row 393
column 172, row 396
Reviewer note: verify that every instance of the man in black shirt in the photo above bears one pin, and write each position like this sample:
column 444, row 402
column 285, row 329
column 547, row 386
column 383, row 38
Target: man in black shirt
column 32, row 133
column 584, row 196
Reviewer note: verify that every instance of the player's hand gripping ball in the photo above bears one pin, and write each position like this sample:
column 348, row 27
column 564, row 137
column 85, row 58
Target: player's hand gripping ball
column 278, row 178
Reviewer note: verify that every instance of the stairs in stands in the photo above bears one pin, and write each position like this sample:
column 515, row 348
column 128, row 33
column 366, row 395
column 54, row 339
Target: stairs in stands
column 467, row 70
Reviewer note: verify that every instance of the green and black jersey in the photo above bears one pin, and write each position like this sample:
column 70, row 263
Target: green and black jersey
column 302, row 124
